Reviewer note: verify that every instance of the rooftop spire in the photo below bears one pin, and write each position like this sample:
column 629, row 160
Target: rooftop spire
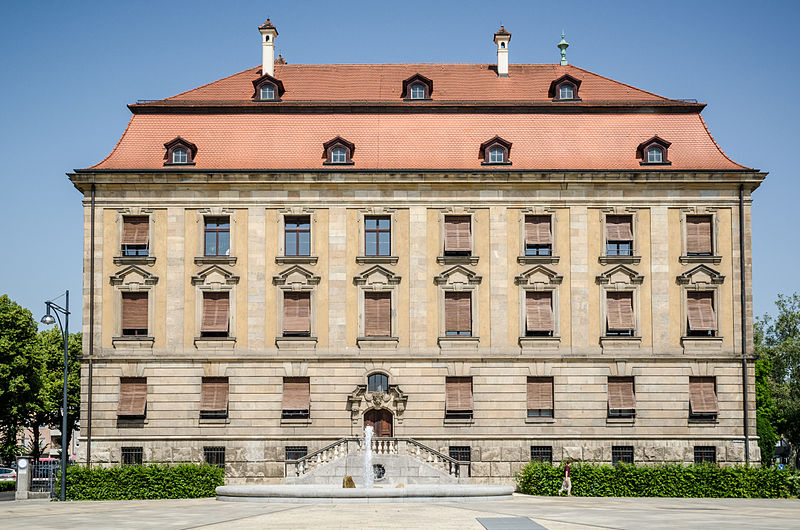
column 563, row 45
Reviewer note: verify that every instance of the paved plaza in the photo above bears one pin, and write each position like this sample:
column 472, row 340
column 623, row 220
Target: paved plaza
column 519, row 513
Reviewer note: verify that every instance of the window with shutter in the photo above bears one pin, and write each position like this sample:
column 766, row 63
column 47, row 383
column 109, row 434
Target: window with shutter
column 539, row 320
column 619, row 235
column 457, row 235
column 698, row 235
column 134, row 314
column 216, row 312
column 135, row 235
column 538, row 235
column 621, row 397
column 703, row 398
column 540, row 397
column 458, row 313
column 458, row 398
column 701, row 318
column 296, row 397
column 619, row 313
column 377, row 314
column 296, row 314
column 132, row 397
column 214, row 397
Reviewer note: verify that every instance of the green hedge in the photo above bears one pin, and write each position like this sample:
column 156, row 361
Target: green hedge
column 8, row 486
column 667, row 480
column 155, row 481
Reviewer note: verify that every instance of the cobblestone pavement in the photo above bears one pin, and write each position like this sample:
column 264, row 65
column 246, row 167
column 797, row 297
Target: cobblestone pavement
column 548, row 512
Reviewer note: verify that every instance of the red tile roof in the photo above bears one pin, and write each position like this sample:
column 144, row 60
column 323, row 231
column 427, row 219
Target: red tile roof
column 243, row 134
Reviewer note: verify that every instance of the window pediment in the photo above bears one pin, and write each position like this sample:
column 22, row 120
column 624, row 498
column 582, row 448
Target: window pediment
column 417, row 79
column 215, row 276
column 553, row 91
column 265, row 80
column 701, row 277
column 176, row 144
column 620, row 275
column 457, row 276
column 377, row 277
column 133, row 277
column 538, row 276
column 296, row 277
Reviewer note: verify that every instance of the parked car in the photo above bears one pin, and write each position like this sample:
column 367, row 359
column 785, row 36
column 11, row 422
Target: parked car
column 7, row 474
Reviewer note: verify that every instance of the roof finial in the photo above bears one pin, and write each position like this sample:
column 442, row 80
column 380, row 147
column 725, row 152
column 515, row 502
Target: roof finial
column 563, row 45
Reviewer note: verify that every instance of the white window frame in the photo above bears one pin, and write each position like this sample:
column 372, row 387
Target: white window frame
column 265, row 86
column 561, row 88
column 417, row 86
column 175, row 158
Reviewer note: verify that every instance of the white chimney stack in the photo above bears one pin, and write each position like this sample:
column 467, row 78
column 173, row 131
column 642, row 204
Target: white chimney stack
column 268, row 34
column 501, row 38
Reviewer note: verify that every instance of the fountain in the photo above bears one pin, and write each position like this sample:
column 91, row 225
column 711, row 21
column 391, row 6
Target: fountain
column 369, row 476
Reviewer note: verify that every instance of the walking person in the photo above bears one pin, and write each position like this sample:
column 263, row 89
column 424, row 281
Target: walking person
column 567, row 484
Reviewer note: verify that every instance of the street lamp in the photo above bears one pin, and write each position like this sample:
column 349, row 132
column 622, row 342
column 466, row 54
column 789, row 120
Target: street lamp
column 48, row 319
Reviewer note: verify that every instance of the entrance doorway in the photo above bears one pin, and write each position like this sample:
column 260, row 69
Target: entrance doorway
column 381, row 421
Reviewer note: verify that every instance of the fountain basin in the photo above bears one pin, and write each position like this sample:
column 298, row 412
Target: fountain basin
column 310, row 493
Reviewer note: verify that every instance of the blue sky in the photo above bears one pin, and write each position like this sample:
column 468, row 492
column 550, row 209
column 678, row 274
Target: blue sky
column 69, row 69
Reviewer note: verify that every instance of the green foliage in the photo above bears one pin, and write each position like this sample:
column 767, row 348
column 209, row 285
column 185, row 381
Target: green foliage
column 154, row 481
column 765, row 411
column 666, row 480
column 8, row 486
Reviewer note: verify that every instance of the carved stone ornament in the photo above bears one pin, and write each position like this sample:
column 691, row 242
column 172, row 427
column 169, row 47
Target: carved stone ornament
column 359, row 401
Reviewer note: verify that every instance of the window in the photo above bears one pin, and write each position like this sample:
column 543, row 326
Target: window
column 462, row 453
column 217, row 236
column 458, row 313
column 180, row 156
column 338, row 155
column 619, row 235
column 542, row 453
column 132, row 456
column 296, row 314
column 619, row 313
column 540, row 397
column 378, row 314
column 621, row 453
column 216, row 311
column 703, row 398
column 296, row 452
column 621, row 397
column 214, row 397
column 214, row 456
column 267, row 92
column 297, row 234
column 457, row 235
column 705, row 454
column 135, row 235
column 418, row 91
column 132, row 397
column 296, row 396
column 458, row 399
column 134, row 314
column 655, row 155
column 538, row 235
column 377, row 236
column 698, row 235
column 539, row 320
column 702, row 320
column 566, row 91
column 497, row 155
column 378, row 383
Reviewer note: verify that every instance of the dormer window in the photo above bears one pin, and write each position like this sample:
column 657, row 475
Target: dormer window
column 267, row 92
column 267, row 88
column 654, row 152
column 566, row 91
column 417, row 87
column 338, row 152
column 179, row 152
column 495, row 152
column 565, row 88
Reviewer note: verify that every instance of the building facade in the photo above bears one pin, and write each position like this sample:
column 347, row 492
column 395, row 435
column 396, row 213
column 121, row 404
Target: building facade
column 499, row 261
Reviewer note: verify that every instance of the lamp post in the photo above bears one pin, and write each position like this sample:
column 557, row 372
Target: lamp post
column 48, row 320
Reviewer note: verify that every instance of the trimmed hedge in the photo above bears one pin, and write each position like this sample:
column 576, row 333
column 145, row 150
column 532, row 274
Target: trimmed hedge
column 666, row 480
column 8, row 486
column 154, row 481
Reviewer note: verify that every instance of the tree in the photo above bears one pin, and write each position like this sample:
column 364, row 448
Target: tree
column 18, row 372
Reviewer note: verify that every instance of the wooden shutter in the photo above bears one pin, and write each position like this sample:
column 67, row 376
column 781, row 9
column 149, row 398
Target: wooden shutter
column 539, row 311
column 296, row 312
column 132, row 396
column 698, row 234
column 619, row 311
column 215, row 312
column 214, row 396
column 540, row 393
column 378, row 314
column 296, row 393
column 618, row 228
column 457, row 233
column 620, row 393
column 537, row 230
column 457, row 311
column 135, row 230
column 459, row 393
column 702, row 396
column 134, row 310
column 700, row 309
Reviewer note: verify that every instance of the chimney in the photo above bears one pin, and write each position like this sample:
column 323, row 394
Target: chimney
column 501, row 38
column 268, row 34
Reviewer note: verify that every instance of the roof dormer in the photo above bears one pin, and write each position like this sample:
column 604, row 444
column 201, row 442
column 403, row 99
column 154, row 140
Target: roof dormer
column 417, row 87
column 338, row 152
column 179, row 152
column 267, row 88
column 565, row 88
column 495, row 152
column 653, row 152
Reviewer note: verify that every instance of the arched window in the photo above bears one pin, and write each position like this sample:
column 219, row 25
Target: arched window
column 655, row 155
column 378, row 383
column 180, row 156
column 566, row 91
column 339, row 155
column 418, row 91
column 267, row 92
column 497, row 155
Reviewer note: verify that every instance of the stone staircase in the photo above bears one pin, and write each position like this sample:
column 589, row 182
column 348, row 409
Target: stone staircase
column 401, row 461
